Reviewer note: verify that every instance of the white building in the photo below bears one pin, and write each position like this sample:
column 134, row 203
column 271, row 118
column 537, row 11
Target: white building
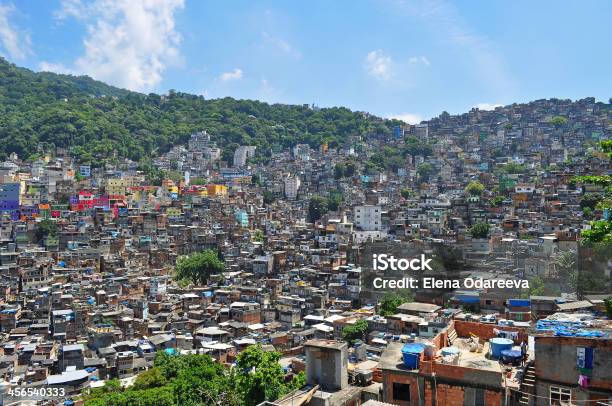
column 199, row 141
column 292, row 185
column 302, row 152
column 360, row 237
column 212, row 153
column 368, row 217
column 158, row 287
column 243, row 153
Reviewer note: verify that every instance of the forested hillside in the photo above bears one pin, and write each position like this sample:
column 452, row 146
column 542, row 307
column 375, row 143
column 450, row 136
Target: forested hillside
column 94, row 119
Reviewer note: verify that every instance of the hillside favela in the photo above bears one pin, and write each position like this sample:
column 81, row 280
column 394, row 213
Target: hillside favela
column 168, row 248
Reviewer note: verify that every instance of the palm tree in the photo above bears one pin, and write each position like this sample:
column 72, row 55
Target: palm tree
column 565, row 264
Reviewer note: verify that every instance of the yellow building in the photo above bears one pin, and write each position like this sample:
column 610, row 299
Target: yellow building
column 119, row 186
column 216, row 190
column 173, row 211
column 242, row 180
column 170, row 186
column 116, row 186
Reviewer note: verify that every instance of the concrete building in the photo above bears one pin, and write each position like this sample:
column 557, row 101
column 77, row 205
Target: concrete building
column 199, row 141
column 243, row 153
column 421, row 131
column 368, row 217
column 292, row 185
column 575, row 370
column 326, row 364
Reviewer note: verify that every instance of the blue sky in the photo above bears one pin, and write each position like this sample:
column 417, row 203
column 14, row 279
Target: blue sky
column 409, row 59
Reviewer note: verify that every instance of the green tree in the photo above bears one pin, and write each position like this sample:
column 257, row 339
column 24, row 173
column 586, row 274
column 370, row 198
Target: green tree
column 536, row 287
column 71, row 112
column 606, row 146
column 513, row 168
column 425, row 170
column 474, row 188
column 197, row 379
column 480, row 230
column 350, row 169
column 608, row 306
column 317, row 207
column 414, row 146
column 390, row 302
column 339, row 171
column 46, row 228
column 333, row 200
column 558, row 121
column 355, row 331
column 198, row 181
column 151, row 378
column 268, row 197
column 162, row 396
column 590, row 200
column 112, row 385
column 260, row 377
column 600, row 180
column 406, row 193
column 197, row 268
column 565, row 264
column 588, row 281
column 497, row 201
column 600, row 234
column 258, row 236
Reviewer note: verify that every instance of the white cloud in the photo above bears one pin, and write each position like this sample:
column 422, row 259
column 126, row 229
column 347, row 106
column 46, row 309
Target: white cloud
column 266, row 90
column 236, row 74
column 128, row 43
column 419, row 60
column 409, row 118
column 487, row 106
column 71, row 8
column 444, row 21
column 15, row 44
column 55, row 67
column 379, row 65
column 281, row 44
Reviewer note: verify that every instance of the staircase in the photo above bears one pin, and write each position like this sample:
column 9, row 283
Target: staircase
column 528, row 386
column 452, row 336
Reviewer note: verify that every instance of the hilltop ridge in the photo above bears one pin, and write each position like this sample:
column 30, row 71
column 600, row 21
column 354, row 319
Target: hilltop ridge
column 97, row 121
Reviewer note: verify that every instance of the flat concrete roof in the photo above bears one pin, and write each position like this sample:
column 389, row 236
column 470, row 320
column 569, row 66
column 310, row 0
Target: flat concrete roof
column 331, row 344
column 583, row 304
column 418, row 307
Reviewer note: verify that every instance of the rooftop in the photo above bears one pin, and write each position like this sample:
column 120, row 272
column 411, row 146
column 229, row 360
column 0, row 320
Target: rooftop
column 331, row 344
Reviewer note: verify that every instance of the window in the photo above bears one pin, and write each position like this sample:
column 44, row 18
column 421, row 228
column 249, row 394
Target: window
column 558, row 395
column 401, row 391
column 474, row 397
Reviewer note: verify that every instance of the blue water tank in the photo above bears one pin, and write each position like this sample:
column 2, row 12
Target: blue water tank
column 498, row 345
column 513, row 357
column 411, row 353
column 450, row 351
